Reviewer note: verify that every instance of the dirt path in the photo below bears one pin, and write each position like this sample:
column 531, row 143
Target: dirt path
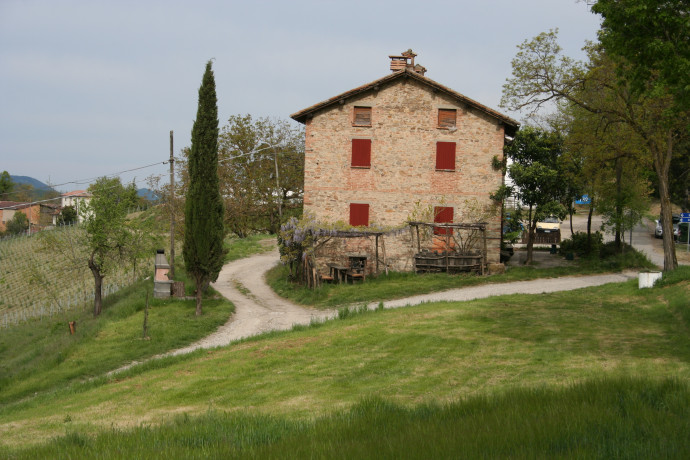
column 257, row 308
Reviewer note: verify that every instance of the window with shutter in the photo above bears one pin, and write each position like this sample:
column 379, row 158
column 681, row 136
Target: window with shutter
column 443, row 215
column 446, row 118
column 361, row 153
column 359, row 214
column 362, row 116
column 445, row 156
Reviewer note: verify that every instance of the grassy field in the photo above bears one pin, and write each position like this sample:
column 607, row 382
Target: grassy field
column 41, row 355
column 600, row 372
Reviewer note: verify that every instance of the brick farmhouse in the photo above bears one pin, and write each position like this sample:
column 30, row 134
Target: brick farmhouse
column 399, row 149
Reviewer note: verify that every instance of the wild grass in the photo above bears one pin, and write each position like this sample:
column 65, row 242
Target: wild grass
column 600, row 418
column 41, row 355
column 239, row 248
column 506, row 364
column 398, row 285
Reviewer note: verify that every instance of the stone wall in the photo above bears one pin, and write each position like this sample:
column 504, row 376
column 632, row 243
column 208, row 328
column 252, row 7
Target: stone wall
column 402, row 182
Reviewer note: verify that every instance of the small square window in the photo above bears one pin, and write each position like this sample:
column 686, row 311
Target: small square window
column 445, row 156
column 361, row 153
column 447, row 118
column 361, row 116
column 359, row 214
column 443, row 215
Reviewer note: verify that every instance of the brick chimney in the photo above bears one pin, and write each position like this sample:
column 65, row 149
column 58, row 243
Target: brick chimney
column 406, row 61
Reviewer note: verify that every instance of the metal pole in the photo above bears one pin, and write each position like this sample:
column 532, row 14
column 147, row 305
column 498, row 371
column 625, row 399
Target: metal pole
column 280, row 195
column 172, row 209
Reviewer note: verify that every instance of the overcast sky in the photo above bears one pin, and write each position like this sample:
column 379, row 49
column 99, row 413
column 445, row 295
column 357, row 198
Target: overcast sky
column 90, row 88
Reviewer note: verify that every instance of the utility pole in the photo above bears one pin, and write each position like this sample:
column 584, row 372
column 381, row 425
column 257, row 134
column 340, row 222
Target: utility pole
column 172, row 209
column 280, row 195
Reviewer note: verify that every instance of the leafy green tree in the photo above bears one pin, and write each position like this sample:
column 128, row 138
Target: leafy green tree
column 106, row 234
column 68, row 215
column 261, row 173
column 648, row 39
column 19, row 223
column 534, row 170
column 204, row 232
column 541, row 76
column 6, row 185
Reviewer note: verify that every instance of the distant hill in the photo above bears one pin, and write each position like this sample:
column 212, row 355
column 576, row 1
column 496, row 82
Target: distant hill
column 35, row 183
column 40, row 189
column 147, row 194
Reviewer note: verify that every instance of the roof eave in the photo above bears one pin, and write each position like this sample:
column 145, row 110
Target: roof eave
column 511, row 126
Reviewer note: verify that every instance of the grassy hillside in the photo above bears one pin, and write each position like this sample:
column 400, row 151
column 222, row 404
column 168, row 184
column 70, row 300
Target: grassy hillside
column 598, row 372
column 36, row 280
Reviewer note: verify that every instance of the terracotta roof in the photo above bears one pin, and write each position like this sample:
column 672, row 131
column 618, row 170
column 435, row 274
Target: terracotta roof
column 77, row 193
column 13, row 205
column 510, row 124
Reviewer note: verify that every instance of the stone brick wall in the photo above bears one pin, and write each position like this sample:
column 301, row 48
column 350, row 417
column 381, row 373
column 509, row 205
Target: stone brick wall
column 402, row 179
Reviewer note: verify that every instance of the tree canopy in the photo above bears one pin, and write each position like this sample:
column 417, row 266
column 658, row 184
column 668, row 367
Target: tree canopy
column 107, row 235
column 542, row 75
column 261, row 173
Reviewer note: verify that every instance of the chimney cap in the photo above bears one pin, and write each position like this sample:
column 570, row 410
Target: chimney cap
column 405, row 60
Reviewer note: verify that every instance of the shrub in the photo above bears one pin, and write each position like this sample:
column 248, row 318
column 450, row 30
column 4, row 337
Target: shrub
column 582, row 245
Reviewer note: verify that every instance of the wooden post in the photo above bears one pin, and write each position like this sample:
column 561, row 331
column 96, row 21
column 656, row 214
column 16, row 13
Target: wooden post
column 172, row 209
column 484, row 254
column 419, row 247
column 447, row 249
column 377, row 254
column 383, row 249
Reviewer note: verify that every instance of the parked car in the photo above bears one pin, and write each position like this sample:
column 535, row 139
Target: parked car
column 549, row 225
column 659, row 232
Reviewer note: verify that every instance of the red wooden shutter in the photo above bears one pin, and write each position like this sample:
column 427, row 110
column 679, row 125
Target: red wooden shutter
column 361, row 153
column 446, row 118
column 443, row 215
column 445, row 155
column 362, row 116
column 359, row 214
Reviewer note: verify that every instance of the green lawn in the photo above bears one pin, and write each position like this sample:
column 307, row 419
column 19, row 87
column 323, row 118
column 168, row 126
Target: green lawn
column 499, row 373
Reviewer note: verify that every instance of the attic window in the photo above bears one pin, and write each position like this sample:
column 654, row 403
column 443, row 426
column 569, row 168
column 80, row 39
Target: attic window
column 362, row 116
column 446, row 118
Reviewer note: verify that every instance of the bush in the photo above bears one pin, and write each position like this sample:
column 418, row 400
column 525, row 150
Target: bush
column 583, row 246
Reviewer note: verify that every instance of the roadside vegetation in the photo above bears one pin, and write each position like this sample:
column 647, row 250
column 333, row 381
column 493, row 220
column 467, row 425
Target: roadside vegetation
column 601, row 373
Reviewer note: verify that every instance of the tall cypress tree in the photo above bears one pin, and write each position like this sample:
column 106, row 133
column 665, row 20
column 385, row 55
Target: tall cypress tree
column 203, row 241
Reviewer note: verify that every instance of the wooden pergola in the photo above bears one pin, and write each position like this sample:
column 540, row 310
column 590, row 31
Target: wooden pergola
column 456, row 260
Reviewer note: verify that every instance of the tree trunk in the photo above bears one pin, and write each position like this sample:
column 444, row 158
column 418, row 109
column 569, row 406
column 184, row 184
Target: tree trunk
column 670, row 260
column 662, row 164
column 97, row 288
column 619, row 203
column 530, row 237
column 199, row 292
column 589, row 226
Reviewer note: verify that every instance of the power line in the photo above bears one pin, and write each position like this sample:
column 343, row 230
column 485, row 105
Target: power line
column 87, row 181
